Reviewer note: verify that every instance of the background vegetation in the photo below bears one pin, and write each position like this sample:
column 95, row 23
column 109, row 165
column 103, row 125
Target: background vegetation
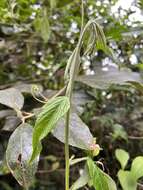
column 36, row 39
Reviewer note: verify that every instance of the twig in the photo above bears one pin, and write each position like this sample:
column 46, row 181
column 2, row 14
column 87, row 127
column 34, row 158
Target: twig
column 140, row 185
column 135, row 138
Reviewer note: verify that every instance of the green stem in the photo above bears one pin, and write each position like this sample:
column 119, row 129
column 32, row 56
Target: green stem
column 67, row 165
column 82, row 15
column 25, row 188
column 69, row 92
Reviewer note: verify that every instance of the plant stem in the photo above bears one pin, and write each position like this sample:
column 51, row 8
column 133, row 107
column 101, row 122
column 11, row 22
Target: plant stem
column 69, row 95
column 67, row 165
column 25, row 188
column 69, row 91
column 82, row 15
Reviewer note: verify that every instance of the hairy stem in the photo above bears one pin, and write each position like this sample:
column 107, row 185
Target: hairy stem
column 69, row 91
column 67, row 165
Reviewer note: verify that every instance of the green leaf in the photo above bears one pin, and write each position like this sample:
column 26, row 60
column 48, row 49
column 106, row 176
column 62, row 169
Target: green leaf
column 137, row 167
column 82, row 180
column 42, row 26
column 127, row 180
column 137, row 85
column 5, row 185
column 53, row 4
column 18, row 153
column 12, row 98
column 110, row 182
column 54, row 110
column 79, row 134
column 104, row 79
column 45, row 29
column 63, row 3
column 100, row 180
column 122, row 156
column 119, row 132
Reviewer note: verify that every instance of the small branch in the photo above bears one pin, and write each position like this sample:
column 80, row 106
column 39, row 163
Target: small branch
column 26, row 115
column 140, row 185
column 60, row 92
column 135, row 138
column 77, row 160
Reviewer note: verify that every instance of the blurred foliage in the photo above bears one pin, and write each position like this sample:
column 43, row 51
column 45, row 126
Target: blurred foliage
column 36, row 39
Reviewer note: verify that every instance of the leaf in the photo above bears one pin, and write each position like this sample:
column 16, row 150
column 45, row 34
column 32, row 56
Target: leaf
column 42, row 26
column 110, row 182
column 45, row 29
column 122, row 156
column 81, row 181
column 119, row 132
column 100, row 180
column 63, row 3
column 127, row 181
column 11, row 123
column 12, row 98
column 137, row 167
column 18, row 153
column 103, row 79
column 55, row 109
column 79, row 134
column 137, row 85
column 80, row 98
column 6, row 113
column 5, row 185
column 53, row 4
column 27, row 88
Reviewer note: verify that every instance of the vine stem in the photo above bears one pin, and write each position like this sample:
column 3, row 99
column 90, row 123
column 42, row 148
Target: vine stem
column 67, row 165
column 25, row 188
column 82, row 15
column 69, row 91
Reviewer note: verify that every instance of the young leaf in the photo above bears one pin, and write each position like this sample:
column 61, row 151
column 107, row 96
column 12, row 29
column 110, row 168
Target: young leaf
column 122, row 156
column 12, row 98
column 18, row 153
column 100, row 180
column 110, row 182
column 82, row 180
column 119, row 132
column 45, row 29
column 127, row 180
column 137, row 167
column 79, row 133
column 42, row 26
column 54, row 110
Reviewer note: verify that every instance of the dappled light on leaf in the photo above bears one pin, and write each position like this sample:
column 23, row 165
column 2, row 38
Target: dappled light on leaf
column 79, row 133
column 12, row 98
column 18, row 153
column 104, row 79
